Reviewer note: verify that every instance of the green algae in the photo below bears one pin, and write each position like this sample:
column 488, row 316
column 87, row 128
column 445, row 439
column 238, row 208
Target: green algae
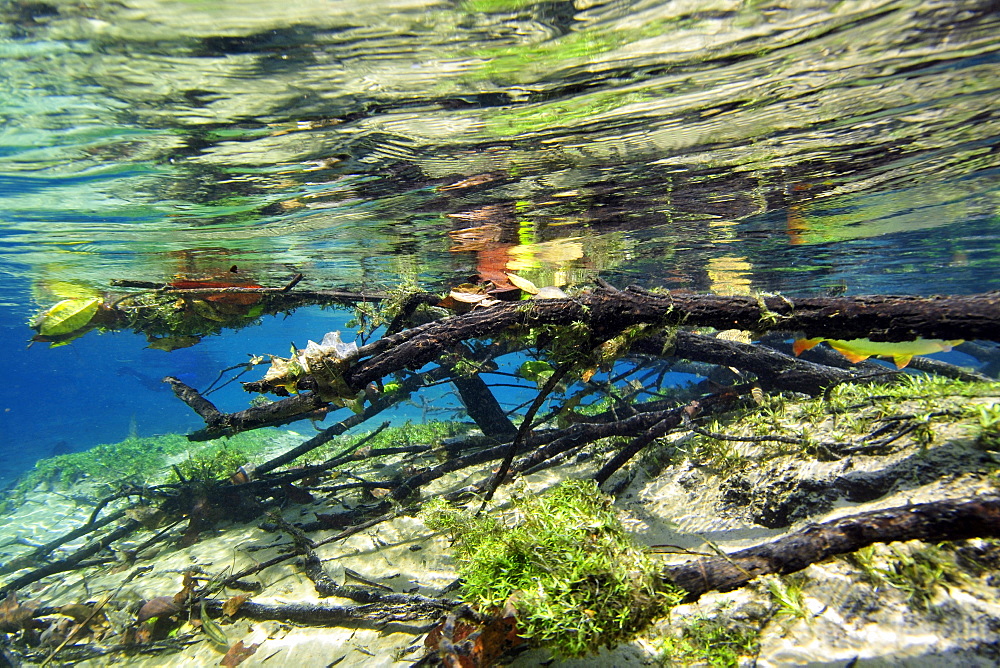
column 567, row 565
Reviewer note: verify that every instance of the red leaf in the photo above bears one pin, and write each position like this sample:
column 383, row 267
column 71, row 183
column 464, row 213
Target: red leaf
column 238, row 653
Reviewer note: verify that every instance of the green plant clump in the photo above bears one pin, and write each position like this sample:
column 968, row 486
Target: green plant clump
column 216, row 463
column 137, row 459
column 411, row 433
column 918, row 571
column 709, row 641
column 572, row 572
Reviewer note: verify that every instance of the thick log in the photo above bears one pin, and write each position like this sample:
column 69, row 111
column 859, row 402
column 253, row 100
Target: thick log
column 935, row 521
column 606, row 312
column 880, row 318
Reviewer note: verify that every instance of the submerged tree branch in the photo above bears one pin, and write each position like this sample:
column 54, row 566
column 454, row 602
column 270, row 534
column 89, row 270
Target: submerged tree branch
column 935, row 521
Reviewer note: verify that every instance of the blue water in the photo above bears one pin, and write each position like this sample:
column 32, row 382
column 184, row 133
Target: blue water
column 778, row 147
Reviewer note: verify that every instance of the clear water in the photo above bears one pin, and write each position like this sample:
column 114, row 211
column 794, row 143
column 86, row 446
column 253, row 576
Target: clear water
column 720, row 146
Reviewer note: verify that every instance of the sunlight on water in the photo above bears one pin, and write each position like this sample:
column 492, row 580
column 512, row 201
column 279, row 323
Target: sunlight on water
column 284, row 135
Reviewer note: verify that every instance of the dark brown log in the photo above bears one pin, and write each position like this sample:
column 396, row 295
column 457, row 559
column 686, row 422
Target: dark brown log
column 935, row 521
column 775, row 371
column 484, row 408
column 880, row 318
column 607, row 312
column 331, row 615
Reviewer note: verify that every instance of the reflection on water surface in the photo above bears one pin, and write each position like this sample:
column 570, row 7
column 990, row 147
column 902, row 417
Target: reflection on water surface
column 719, row 146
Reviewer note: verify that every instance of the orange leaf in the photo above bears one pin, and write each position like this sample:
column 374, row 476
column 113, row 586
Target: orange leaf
column 238, row 653
column 230, row 607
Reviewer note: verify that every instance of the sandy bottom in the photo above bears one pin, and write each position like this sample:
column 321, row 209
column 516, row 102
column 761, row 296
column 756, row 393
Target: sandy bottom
column 846, row 620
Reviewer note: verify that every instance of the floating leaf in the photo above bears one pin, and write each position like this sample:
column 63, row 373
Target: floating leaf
column 67, row 316
column 523, row 284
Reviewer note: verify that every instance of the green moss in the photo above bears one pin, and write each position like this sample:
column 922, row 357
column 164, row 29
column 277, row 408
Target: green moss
column 167, row 314
column 917, row 570
column 568, row 566
column 850, row 414
column 423, row 433
column 711, row 641
column 216, row 463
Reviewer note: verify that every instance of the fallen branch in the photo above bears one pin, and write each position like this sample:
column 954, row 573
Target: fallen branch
column 881, row 318
column 73, row 561
column 936, row 521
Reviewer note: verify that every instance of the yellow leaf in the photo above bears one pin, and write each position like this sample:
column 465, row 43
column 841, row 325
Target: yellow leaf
column 67, row 316
column 523, row 284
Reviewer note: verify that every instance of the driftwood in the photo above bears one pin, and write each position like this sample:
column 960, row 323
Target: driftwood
column 936, row 521
column 73, row 561
column 606, row 312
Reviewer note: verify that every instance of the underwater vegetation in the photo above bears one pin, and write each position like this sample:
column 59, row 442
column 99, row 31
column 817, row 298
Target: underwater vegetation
column 563, row 560
column 760, row 437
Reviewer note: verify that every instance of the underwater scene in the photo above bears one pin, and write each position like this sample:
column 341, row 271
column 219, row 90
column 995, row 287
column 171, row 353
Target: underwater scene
column 476, row 333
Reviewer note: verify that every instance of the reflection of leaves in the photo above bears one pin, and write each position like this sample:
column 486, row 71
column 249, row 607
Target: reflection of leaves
column 536, row 371
column 169, row 343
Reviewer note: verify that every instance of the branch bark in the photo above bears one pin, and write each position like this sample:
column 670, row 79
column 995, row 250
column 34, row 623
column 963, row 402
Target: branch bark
column 935, row 521
column 880, row 318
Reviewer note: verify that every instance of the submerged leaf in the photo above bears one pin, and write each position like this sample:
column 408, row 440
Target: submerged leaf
column 238, row 653
column 858, row 350
column 531, row 369
column 161, row 606
column 230, row 607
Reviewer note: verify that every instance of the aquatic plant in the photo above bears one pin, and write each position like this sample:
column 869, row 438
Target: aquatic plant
column 989, row 425
column 135, row 459
column 716, row 641
column 563, row 560
column 786, row 595
column 212, row 463
column 917, row 570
